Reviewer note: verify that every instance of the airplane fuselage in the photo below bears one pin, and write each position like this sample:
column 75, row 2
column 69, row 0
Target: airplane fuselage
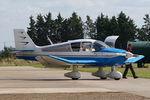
column 72, row 50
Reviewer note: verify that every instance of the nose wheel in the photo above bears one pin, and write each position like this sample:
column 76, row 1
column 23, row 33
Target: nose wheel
column 75, row 78
column 115, row 74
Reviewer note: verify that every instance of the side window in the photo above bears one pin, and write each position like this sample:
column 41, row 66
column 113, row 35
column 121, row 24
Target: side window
column 75, row 46
column 86, row 46
column 58, row 48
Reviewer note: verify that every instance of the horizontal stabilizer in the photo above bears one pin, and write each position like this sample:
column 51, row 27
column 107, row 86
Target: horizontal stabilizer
column 134, row 59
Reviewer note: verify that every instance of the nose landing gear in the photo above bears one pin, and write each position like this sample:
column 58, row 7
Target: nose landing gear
column 115, row 74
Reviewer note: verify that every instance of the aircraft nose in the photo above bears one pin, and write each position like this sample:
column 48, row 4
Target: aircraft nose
column 129, row 54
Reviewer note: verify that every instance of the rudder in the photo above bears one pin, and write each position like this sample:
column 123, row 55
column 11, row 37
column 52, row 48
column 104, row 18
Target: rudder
column 22, row 40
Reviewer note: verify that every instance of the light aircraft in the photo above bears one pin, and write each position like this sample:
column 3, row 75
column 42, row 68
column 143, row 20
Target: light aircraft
column 80, row 52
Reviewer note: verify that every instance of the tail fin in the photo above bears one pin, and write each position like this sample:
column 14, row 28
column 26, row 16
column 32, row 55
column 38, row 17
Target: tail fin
column 22, row 40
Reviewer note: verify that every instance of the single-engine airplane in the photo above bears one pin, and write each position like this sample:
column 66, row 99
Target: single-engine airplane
column 80, row 52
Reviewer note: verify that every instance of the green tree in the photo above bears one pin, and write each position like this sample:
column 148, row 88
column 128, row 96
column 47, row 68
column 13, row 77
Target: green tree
column 6, row 52
column 144, row 32
column 65, row 36
column 103, row 27
column 126, row 30
column 41, row 32
column 49, row 26
column 75, row 27
column 113, row 26
column 61, row 29
column 31, row 30
column 58, row 27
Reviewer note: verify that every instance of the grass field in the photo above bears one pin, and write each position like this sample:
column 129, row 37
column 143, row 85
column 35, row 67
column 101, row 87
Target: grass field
column 141, row 72
column 19, row 62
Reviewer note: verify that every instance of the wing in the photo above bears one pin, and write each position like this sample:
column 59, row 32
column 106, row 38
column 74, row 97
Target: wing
column 134, row 59
column 116, row 61
column 54, row 60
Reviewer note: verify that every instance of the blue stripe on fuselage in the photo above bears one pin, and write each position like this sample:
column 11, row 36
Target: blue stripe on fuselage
column 27, row 57
column 23, row 50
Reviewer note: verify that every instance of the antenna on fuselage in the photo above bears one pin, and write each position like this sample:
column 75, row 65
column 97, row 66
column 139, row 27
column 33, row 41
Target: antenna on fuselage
column 49, row 40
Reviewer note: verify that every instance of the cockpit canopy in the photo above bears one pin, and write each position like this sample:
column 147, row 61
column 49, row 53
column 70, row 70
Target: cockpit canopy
column 88, row 46
column 77, row 46
column 98, row 45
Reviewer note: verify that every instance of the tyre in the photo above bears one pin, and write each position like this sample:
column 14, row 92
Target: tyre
column 103, row 78
column 117, row 78
column 75, row 78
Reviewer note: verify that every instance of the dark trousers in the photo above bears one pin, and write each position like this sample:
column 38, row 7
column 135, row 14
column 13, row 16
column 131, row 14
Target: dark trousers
column 126, row 70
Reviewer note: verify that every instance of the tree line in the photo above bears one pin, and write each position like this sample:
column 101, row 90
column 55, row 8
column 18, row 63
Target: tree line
column 63, row 29
column 6, row 53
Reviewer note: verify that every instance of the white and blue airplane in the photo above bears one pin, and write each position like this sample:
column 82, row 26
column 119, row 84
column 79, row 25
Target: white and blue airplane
column 80, row 52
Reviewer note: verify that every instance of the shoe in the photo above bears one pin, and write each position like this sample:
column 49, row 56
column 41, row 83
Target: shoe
column 136, row 77
column 124, row 77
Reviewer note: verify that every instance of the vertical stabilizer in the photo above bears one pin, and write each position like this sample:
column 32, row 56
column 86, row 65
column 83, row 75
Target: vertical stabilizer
column 22, row 40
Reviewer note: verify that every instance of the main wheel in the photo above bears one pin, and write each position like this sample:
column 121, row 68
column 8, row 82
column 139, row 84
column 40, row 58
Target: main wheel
column 75, row 78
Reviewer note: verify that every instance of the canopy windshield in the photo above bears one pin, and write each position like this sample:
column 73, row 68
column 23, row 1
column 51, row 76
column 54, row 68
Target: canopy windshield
column 98, row 45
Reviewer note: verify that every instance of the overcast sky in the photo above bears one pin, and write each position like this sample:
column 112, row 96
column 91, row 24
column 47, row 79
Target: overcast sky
column 15, row 13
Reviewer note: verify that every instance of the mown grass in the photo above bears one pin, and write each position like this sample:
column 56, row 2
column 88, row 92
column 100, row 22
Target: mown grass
column 141, row 72
column 19, row 62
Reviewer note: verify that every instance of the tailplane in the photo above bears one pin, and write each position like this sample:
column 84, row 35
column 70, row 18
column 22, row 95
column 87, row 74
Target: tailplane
column 23, row 41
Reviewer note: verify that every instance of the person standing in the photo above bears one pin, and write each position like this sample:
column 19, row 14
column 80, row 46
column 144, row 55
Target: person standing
column 129, row 66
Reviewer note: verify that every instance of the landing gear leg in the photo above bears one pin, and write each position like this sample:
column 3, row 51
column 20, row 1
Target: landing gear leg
column 114, row 74
column 75, row 75
column 100, row 73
